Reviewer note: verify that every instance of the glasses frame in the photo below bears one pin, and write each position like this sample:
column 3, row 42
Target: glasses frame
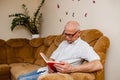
column 70, row 35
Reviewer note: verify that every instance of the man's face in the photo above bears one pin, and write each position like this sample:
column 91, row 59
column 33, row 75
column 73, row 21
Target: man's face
column 71, row 35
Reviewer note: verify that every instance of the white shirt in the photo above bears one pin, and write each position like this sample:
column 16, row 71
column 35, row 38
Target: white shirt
column 74, row 53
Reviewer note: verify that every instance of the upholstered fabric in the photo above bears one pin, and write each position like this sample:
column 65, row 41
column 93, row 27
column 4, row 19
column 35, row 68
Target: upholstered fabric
column 4, row 72
column 19, row 50
column 56, row 76
column 3, row 53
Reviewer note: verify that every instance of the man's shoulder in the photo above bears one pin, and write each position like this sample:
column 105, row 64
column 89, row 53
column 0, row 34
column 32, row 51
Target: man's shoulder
column 63, row 42
column 82, row 42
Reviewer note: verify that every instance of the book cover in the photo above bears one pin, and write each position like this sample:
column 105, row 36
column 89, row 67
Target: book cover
column 49, row 63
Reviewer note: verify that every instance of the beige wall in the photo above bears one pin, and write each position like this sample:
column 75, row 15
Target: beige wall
column 103, row 15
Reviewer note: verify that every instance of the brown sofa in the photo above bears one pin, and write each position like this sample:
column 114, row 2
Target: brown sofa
column 20, row 56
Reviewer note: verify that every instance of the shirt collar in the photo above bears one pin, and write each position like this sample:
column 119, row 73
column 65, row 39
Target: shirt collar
column 77, row 40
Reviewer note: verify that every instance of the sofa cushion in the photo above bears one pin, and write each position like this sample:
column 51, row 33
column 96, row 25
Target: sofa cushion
column 59, row 39
column 19, row 51
column 51, row 49
column 102, row 44
column 3, row 53
column 18, row 69
column 49, row 40
column 18, row 42
column 38, row 58
column 2, row 42
column 36, row 42
column 90, row 35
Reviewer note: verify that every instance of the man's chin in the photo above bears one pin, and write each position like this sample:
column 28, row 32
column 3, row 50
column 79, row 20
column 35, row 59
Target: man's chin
column 70, row 42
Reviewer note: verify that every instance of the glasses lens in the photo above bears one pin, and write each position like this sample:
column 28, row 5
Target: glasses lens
column 70, row 35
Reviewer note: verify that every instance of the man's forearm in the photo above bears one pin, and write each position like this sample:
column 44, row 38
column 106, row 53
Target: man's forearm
column 88, row 67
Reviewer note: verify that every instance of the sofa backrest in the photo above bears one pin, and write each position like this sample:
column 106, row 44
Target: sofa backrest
column 24, row 50
column 19, row 50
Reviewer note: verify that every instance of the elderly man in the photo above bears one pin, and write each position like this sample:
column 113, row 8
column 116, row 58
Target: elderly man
column 70, row 53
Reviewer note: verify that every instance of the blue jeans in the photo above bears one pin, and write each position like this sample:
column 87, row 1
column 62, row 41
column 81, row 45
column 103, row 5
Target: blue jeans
column 30, row 76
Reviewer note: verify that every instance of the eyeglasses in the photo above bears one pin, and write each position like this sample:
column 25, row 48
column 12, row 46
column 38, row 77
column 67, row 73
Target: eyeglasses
column 70, row 35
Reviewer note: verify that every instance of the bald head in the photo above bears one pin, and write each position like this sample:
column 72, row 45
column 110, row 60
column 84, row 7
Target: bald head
column 72, row 25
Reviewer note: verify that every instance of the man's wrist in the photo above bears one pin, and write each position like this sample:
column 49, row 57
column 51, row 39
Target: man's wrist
column 72, row 69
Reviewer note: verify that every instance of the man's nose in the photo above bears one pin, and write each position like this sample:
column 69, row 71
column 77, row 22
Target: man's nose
column 68, row 38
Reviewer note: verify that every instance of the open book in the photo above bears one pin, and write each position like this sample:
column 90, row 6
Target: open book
column 49, row 63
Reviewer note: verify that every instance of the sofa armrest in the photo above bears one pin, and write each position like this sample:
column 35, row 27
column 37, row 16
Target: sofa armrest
column 4, row 68
column 4, row 72
column 83, row 76
column 72, row 76
column 55, row 76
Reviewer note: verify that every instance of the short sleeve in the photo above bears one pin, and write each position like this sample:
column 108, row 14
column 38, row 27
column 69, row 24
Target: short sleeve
column 89, row 54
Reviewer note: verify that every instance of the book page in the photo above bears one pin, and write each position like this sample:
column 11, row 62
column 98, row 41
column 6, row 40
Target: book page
column 44, row 57
column 49, row 63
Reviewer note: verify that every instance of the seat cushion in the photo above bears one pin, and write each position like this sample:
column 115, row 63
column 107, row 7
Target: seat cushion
column 18, row 69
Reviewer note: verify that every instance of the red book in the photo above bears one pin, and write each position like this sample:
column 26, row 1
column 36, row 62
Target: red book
column 49, row 63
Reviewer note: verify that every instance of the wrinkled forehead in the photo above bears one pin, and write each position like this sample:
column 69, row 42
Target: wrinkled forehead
column 72, row 23
column 72, row 26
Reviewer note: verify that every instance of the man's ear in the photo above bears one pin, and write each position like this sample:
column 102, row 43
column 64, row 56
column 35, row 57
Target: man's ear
column 78, row 32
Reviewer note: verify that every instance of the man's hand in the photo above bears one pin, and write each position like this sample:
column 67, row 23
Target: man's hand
column 63, row 67
column 50, row 70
